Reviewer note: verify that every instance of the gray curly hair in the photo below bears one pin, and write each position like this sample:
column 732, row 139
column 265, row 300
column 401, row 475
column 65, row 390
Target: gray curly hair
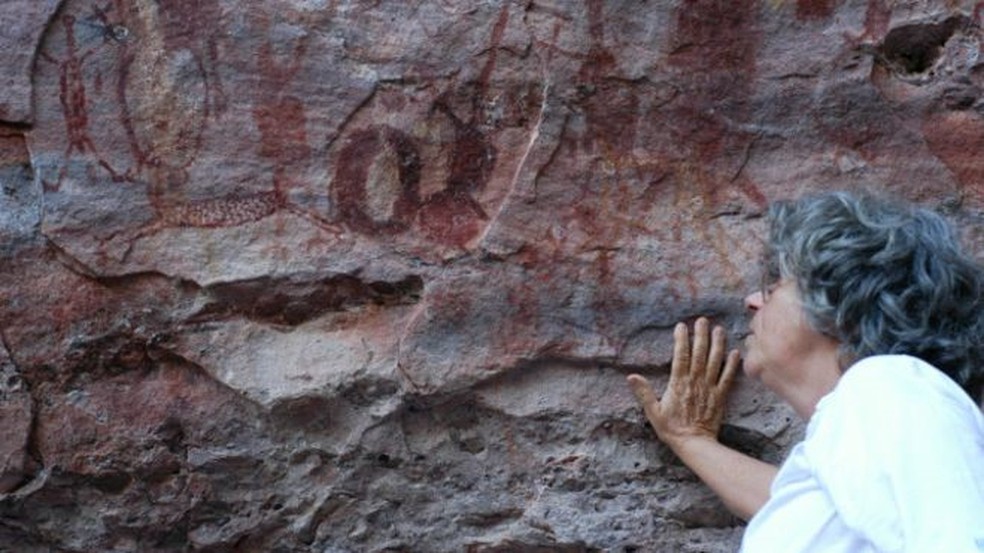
column 882, row 277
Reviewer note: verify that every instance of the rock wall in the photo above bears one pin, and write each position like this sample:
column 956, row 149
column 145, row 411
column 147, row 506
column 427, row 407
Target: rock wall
column 319, row 275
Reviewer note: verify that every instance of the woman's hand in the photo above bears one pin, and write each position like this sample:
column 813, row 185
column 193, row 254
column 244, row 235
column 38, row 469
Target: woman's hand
column 688, row 416
column 695, row 397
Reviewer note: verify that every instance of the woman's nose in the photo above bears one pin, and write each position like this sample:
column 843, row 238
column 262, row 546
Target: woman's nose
column 754, row 301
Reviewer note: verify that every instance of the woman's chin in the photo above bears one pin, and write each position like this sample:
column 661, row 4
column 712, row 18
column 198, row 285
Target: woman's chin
column 750, row 367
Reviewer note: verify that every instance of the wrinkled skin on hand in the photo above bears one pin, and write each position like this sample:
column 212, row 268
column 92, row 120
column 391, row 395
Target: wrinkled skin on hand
column 701, row 376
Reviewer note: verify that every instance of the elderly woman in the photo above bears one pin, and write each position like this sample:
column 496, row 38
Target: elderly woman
column 870, row 324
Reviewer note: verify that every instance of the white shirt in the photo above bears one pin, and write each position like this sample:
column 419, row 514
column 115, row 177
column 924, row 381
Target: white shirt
column 893, row 461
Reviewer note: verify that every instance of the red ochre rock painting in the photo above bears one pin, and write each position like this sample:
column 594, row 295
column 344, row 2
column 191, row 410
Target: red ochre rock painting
column 351, row 275
column 24, row 21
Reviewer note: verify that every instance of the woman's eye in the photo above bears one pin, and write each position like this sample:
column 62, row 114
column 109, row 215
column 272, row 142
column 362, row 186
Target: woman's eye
column 768, row 288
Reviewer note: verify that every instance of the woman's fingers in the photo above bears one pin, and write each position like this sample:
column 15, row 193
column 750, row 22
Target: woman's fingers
column 680, row 366
column 641, row 389
column 643, row 393
column 698, row 359
column 729, row 372
column 700, row 376
column 716, row 356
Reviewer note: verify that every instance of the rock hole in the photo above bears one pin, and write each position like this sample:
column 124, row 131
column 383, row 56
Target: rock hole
column 297, row 299
column 171, row 433
column 386, row 461
column 914, row 48
column 111, row 483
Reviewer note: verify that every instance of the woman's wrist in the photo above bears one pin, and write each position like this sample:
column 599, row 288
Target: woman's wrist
column 683, row 443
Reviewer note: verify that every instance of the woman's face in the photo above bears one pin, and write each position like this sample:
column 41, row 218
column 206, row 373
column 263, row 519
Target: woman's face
column 781, row 344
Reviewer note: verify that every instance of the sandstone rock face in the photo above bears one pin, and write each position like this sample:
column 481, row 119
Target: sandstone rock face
column 312, row 275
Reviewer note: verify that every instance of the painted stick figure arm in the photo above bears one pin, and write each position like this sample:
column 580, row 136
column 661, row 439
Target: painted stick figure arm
column 688, row 418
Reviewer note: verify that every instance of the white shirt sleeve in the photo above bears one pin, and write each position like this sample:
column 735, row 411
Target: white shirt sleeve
column 899, row 448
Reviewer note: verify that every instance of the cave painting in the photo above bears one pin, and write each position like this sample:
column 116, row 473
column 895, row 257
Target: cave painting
column 667, row 153
column 377, row 181
column 145, row 95
column 72, row 98
column 431, row 173
column 431, row 159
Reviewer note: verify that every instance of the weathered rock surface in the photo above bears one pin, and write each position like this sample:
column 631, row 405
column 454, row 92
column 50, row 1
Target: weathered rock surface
column 307, row 275
column 15, row 412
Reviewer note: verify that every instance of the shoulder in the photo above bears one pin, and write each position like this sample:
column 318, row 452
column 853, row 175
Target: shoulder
column 895, row 392
column 900, row 377
column 897, row 447
column 891, row 368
